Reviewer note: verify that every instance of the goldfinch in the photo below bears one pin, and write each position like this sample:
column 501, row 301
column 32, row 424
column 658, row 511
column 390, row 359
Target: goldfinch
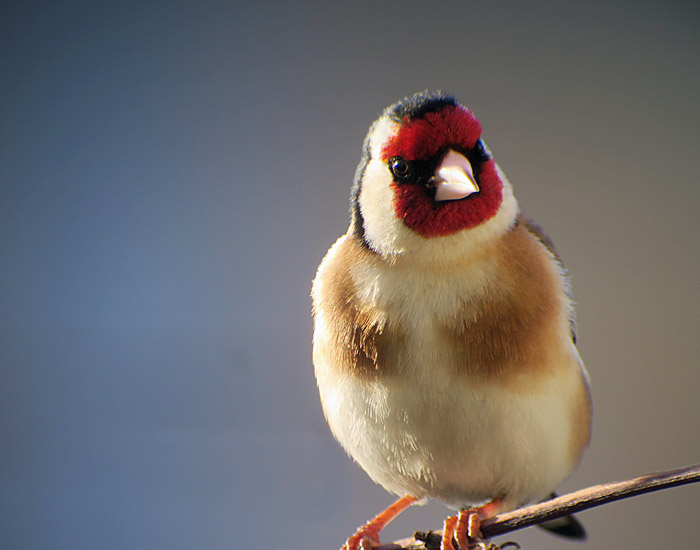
column 444, row 345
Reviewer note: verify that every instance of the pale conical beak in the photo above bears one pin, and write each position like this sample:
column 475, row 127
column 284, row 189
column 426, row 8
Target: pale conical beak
column 454, row 178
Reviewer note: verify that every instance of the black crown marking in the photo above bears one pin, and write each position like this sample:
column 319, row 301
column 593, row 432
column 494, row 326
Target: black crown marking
column 420, row 104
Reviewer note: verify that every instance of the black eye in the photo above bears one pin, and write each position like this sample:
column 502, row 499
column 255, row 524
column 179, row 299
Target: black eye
column 401, row 168
column 479, row 153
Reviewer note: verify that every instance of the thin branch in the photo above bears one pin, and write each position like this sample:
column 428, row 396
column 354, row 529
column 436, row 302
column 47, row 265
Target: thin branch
column 577, row 501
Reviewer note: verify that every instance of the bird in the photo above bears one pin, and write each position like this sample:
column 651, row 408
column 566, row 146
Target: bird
column 444, row 342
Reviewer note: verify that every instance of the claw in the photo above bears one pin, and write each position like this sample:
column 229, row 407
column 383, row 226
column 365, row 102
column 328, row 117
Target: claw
column 367, row 536
column 448, row 531
column 466, row 526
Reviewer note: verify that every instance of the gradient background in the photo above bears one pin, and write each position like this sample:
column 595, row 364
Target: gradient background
column 172, row 174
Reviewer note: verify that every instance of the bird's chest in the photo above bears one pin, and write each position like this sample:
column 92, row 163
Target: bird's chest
column 423, row 319
column 431, row 408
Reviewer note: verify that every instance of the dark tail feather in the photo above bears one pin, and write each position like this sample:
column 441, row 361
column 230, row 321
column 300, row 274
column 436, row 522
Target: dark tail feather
column 567, row 526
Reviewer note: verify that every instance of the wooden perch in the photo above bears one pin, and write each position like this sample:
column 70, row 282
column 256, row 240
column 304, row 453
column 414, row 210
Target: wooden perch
column 567, row 504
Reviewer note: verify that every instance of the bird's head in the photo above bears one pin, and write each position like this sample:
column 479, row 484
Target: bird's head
column 427, row 181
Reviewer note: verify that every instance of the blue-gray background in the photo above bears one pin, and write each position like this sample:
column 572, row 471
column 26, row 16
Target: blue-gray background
column 171, row 175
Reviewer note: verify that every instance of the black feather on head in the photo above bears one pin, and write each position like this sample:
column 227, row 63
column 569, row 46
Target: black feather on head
column 419, row 104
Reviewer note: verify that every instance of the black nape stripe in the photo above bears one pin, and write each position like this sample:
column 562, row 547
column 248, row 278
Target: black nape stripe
column 420, row 104
column 356, row 222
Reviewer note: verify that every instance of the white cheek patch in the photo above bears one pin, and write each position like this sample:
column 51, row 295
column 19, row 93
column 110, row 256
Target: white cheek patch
column 382, row 226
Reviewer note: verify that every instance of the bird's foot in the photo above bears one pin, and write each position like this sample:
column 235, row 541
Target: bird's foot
column 465, row 527
column 367, row 536
column 448, row 533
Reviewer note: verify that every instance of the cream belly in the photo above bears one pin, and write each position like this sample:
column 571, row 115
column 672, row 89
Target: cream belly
column 459, row 444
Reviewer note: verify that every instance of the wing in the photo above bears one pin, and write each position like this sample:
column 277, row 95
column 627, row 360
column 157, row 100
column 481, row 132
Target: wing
column 535, row 229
